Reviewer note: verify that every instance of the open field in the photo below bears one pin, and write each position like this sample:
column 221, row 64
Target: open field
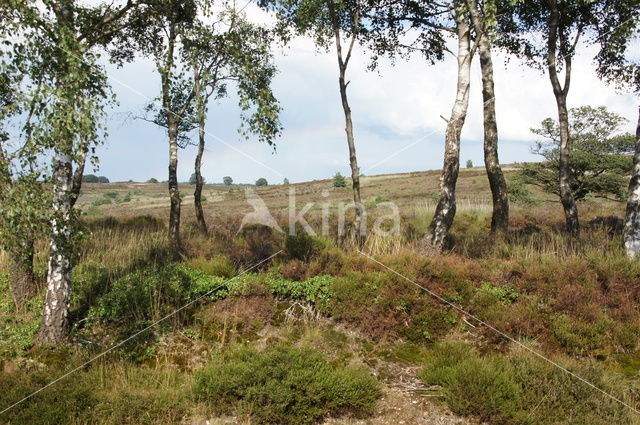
column 416, row 191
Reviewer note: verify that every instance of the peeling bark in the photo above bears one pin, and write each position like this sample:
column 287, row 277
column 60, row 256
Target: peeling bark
column 166, row 70
column 632, row 218
column 560, row 92
column 497, row 182
column 446, row 208
column 55, row 323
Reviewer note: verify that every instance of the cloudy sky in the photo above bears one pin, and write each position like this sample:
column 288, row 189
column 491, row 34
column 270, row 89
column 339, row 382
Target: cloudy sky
column 396, row 114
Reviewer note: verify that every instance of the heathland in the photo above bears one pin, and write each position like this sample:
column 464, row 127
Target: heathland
column 322, row 332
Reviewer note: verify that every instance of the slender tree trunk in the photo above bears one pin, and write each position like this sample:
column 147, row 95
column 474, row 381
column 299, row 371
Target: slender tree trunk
column 632, row 218
column 166, row 71
column 446, row 208
column 197, row 194
column 55, row 322
column 174, row 191
column 343, row 62
column 560, row 92
column 497, row 182
column 23, row 284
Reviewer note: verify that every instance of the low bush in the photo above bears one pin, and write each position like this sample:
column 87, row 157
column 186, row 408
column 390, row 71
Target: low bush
column 302, row 246
column 151, row 293
column 284, row 385
column 520, row 388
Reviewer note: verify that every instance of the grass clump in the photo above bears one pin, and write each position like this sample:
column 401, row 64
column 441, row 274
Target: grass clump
column 216, row 266
column 107, row 394
column 283, row 384
column 520, row 389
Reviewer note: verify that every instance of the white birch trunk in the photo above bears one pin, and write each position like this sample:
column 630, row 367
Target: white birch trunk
column 632, row 219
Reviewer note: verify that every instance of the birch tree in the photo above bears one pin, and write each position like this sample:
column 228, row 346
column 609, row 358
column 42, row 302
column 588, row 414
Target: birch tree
column 327, row 22
column 618, row 29
column 482, row 15
column 446, row 207
column 160, row 37
column 562, row 25
column 232, row 52
column 402, row 29
column 56, row 48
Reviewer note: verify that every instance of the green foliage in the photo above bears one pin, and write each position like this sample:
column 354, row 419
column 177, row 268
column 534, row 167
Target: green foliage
column 126, row 198
column 519, row 193
column 193, row 179
column 262, row 182
column 518, row 389
column 469, row 163
column 581, row 336
column 24, row 213
column 92, row 178
column 227, row 180
column 285, row 385
column 101, row 201
column 504, row 294
column 599, row 159
column 152, row 180
column 428, row 326
column 317, row 289
column 285, row 181
column 151, row 293
column 339, row 180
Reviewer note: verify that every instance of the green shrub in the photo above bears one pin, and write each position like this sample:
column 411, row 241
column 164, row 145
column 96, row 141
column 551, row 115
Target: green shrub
column 580, row 336
column 302, row 246
column 284, row 385
column 520, row 388
column 428, row 326
column 151, row 293
column 519, row 193
column 317, row 289
column 504, row 294
column 101, row 201
column 339, row 180
column 473, row 385
column 111, row 195
column 125, row 199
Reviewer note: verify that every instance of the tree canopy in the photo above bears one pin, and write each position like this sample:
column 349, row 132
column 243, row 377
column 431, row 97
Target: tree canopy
column 600, row 159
